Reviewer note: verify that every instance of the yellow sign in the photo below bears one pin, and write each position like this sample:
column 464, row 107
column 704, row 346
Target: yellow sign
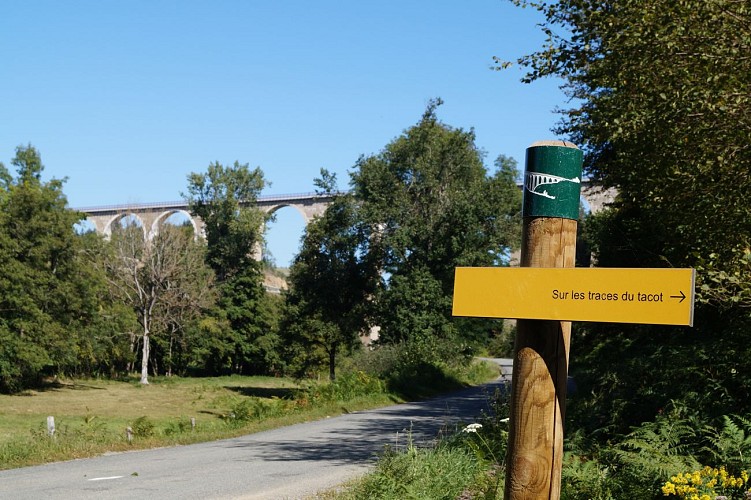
column 613, row 295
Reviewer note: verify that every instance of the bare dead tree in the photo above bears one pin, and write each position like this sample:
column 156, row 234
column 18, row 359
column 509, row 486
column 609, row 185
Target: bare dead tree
column 165, row 280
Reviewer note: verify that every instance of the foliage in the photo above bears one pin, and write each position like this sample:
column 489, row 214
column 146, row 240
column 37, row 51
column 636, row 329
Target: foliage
column 330, row 280
column 433, row 206
column 224, row 199
column 415, row 370
column 440, row 473
column 246, row 410
column 247, row 315
column 108, row 349
column 585, row 478
column 728, row 290
column 142, row 427
column 663, row 94
column 48, row 299
column 653, row 451
column 346, row 387
column 643, row 462
column 501, row 344
column 488, row 437
column 385, row 254
column 661, row 106
column 729, row 444
column 244, row 340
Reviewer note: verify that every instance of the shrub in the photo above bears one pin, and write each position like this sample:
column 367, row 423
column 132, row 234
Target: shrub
column 142, row 427
column 177, row 427
column 415, row 369
column 346, row 387
column 501, row 344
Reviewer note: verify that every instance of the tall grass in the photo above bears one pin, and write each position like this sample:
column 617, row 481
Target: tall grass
column 442, row 472
column 466, row 464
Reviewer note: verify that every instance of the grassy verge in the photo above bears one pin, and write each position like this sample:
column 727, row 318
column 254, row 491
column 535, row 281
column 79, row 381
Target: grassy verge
column 91, row 416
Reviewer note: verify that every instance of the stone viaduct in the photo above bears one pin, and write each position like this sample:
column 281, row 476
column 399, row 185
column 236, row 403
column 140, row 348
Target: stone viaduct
column 151, row 216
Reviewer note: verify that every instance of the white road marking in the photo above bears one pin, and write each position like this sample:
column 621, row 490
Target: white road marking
column 105, row 478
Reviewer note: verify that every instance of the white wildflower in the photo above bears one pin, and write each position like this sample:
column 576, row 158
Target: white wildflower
column 472, row 428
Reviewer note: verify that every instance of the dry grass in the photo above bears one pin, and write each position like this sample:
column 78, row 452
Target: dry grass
column 120, row 402
column 91, row 415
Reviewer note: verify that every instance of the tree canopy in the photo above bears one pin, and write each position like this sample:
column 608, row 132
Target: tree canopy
column 661, row 106
column 663, row 112
column 433, row 206
column 224, row 198
column 46, row 303
column 331, row 282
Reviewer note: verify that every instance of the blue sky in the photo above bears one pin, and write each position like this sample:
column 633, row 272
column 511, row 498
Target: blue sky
column 126, row 98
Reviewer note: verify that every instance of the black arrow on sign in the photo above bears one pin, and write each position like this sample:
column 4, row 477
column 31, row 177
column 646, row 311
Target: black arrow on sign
column 682, row 296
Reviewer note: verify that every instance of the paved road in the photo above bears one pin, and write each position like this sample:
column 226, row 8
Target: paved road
column 291, row 462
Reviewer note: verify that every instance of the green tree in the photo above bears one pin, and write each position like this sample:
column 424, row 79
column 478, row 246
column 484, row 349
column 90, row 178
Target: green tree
column 330, row 283
column 662, row 108
column 663, row 94
column 433, row 206
column 47, row 300
column 224, row 198
column 104, row 341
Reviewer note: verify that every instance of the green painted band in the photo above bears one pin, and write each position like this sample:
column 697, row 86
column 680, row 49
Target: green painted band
column 552, row 181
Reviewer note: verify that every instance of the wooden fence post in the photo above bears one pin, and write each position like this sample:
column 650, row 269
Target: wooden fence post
column 552, row 181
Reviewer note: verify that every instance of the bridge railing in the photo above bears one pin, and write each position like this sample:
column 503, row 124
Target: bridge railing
column 182, row 204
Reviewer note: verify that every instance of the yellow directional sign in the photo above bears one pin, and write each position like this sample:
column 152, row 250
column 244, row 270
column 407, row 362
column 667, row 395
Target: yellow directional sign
column 613, row 295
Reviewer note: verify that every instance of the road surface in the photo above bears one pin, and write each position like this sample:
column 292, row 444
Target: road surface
column 290, row 462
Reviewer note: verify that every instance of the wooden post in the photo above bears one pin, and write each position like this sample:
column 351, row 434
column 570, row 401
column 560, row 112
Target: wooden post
column 51, row 426
column 538, row 389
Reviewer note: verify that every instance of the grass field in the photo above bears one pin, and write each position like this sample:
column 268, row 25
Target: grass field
column 91, row 416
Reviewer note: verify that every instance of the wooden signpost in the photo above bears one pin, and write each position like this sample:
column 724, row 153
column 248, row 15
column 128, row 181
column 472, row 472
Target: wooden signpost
column 546, row 294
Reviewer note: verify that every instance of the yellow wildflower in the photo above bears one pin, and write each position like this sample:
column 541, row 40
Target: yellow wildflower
column 668, row 489
column 696, row 478
column 678, row 479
